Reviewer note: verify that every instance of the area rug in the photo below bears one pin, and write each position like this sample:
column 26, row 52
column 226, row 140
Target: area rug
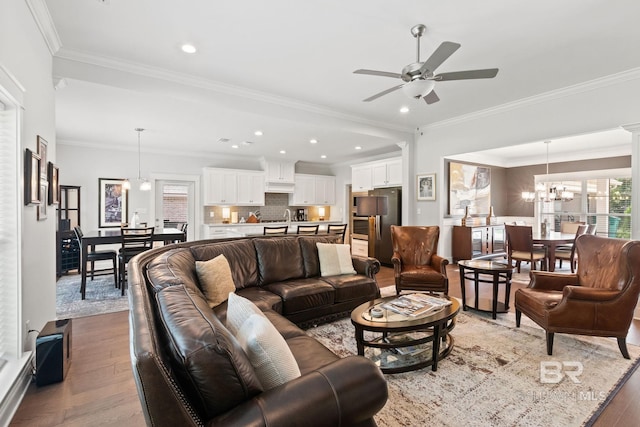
column 101, row 297
column 493, row 376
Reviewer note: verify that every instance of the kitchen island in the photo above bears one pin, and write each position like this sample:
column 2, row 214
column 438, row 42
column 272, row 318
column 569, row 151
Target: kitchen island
column 223, row 231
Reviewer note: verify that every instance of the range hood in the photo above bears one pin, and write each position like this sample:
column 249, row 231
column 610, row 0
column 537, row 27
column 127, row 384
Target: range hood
column 278, row 187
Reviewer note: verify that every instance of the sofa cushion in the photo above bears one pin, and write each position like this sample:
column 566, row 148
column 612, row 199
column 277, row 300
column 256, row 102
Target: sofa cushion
column 202, row 351
column 215, row 279
column 174, row 267
column 268, row 352
column 352, row 287
column 239, row 309
column 335, row 259
column 279, row 259
column 302, row 294
column 241, row 255
column 310, row 252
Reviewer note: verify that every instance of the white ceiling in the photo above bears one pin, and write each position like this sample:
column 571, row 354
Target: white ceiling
column 286, row 67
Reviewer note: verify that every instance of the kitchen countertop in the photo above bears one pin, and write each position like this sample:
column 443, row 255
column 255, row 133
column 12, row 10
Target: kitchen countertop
column 269, row 223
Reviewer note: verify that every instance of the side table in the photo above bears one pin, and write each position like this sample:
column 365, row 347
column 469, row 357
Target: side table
column 500, row 274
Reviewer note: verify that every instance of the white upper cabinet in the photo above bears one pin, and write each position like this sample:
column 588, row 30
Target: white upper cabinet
column 279, row 175
column 361, row 178
column 219, row 186
column 387, row 173
column 313, row 190
column 250, row 188
column 383, row 173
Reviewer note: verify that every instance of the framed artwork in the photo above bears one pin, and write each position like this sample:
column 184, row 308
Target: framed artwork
column 113, row 203
column 469, row 186
column 31, row 178
column 426, row 186
column 42, row 207
column 42, row 152
column 54, row 184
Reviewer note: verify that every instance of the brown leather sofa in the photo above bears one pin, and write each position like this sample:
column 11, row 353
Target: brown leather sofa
column 190, row 371
column 416, row 263
column 598, row 300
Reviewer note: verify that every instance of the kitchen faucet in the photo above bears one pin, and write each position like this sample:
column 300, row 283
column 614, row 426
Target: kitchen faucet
column 287, row 214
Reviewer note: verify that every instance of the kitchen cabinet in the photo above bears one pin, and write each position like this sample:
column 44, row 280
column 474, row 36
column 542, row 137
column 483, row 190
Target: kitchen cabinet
column 219, row 186
column 279, row 170
column 313, row 190
column 387, row 173
column 250, row 189
column 478, row 241
column 361, row 178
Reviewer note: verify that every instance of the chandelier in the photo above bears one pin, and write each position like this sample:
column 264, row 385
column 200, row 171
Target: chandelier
column 541, row 193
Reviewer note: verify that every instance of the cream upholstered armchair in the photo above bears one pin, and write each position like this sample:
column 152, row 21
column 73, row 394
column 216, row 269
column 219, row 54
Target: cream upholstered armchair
column 598, row 300
column 416, row 263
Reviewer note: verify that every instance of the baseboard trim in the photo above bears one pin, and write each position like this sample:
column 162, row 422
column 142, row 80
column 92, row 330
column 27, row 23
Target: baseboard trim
column 19, row 379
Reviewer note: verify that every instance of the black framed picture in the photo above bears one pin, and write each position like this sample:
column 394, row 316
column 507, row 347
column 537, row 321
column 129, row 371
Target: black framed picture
column 54, row 184
column 31, row 178
column 113, row 203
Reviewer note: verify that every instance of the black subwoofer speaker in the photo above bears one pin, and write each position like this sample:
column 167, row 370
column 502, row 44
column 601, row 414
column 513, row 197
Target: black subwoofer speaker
column 53, row 352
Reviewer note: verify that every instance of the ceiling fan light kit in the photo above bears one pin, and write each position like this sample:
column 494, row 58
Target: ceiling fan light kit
column 419, row 76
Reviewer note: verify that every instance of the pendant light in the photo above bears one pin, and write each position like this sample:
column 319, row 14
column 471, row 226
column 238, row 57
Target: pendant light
column 144, row 184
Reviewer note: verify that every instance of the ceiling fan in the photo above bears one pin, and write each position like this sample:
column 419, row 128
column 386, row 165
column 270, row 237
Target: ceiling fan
column 419, row 76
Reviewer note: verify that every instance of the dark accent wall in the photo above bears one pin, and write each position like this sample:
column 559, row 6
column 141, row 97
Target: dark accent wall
column 507, row 184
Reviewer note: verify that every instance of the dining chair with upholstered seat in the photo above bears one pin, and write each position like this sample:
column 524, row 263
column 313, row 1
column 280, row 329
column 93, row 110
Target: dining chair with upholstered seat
column 308, row 229
column 520, row 247
column 92, row 257
column 133, row 242
column 339, row 229
column 570, row 226
column 598, row 300
column 416, row 263
column 568, row 252
column 280, row 229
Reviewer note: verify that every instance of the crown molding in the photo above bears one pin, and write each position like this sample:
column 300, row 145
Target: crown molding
column 42, row 18
column 590, row 85
column 206, row 84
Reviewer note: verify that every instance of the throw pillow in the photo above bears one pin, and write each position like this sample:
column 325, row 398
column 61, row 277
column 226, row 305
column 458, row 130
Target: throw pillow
column 238, row 311
column 268, row 352
column 335, row 259
column 215, row 279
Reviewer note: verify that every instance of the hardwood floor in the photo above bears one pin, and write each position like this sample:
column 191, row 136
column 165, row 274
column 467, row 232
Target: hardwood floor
column 99, row 389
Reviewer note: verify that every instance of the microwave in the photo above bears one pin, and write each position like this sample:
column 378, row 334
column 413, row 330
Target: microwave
column 360, row 227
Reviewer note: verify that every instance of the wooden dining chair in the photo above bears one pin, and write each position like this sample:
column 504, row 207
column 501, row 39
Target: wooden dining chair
column 134, row 241
column 570, row 226
column 568, row 252
column 281, row 229
column 92, row 257
column 520, row 247
column 308, row 229
column 339, row 229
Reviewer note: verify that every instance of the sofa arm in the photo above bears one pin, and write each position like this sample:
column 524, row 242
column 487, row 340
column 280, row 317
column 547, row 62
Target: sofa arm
column 346, row 392
column 551, row 281
column 589, row 294
column 366, row 265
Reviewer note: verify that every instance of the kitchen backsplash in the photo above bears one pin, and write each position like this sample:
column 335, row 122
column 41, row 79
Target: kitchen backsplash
column 273, row 210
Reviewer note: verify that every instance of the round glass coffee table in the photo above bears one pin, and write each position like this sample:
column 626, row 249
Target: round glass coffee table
column 400, row 343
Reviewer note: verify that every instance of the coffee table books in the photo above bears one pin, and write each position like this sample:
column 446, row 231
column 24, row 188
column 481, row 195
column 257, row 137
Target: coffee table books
column 415, row 304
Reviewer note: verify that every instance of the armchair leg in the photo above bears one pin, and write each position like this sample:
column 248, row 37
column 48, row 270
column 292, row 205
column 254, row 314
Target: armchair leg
column 549, row 343
column 622, row 345
column 518, row 317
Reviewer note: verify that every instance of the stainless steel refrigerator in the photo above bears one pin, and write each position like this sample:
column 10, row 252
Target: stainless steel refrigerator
column 384, row 248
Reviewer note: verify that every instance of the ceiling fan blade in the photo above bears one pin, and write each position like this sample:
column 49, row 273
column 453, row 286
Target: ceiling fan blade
column 489, row 73
column 384, row 92
column 431, row 97
column 444, row 51
column 378, row 73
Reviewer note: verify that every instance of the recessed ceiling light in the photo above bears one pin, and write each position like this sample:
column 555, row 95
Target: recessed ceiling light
column 404, row 109
column 283, row 152
column 313, row 141
column 188, row 48
column 234, row 146
column 323, row 156
column 258, row 133
column 358, row 147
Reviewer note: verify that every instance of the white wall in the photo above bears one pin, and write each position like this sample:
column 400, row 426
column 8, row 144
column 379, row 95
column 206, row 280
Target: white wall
column 24, row 54
column 596, row 106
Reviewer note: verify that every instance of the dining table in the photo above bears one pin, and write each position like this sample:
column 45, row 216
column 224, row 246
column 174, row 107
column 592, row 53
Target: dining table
column 551, row 241
column 92, row 239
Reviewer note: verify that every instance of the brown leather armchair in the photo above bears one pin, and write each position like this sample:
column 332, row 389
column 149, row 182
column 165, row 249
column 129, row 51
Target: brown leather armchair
column 416, row 264
column 598, row 300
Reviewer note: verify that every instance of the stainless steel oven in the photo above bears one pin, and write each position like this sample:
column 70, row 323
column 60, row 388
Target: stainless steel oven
column 360, row 227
